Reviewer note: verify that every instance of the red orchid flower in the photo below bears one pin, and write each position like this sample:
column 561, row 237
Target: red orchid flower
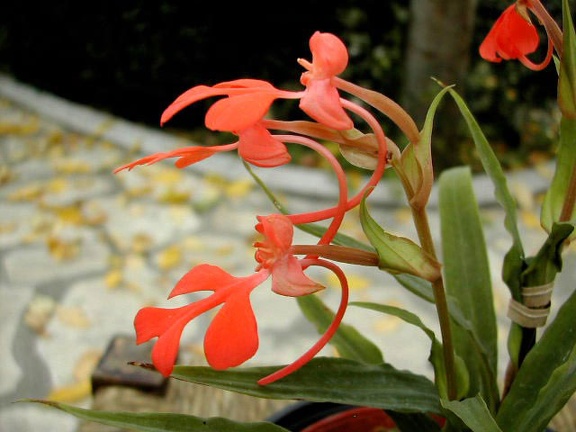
column 232, row 337
column 241, row 113
column 321, row 100
column 513, row 36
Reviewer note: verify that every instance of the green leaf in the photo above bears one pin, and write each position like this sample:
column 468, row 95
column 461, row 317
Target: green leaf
column 416, row 159
column 162, row 422
column 417, row 286
column 514, row 259
column 313, row 229
column 348, row 341
column 398, row 254
column 547, row 377
column 467, row 277
column 474, row 413
column 560, row 186
column 567, row 80
column 327, row 380
column 543, row 268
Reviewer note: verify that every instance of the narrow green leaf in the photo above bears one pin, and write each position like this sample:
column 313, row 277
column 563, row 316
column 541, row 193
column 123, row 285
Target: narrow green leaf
column 398, row 254
column 161, row 422
column 467, row 275
column 474, row 413
column 514, row 259
column 313, row 229
column 350, row 343
column 327, row 380
column 403, row 314
column 565, row 166
column 547, row 377
column 417, row 286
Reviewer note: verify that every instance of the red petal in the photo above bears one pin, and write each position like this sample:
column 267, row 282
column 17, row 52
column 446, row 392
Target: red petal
column 189, row 97
column 519, row 37
column 203, row 277
column 238, row 112
column 288, row 279
column 165, row 350
column 259, row 148
column 247, row 83
column 321, row 101
column 329, row 55
column 278, row 232
column 191, row 155
column 152, row 322
column 232, row 337
column 147, row 160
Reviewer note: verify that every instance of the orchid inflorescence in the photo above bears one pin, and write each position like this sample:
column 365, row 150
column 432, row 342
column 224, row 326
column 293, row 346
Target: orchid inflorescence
column 232, row 337
column 243, row 110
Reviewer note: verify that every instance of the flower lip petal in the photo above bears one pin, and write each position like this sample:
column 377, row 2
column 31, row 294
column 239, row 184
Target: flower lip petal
column 232, row 337
column 288, row 279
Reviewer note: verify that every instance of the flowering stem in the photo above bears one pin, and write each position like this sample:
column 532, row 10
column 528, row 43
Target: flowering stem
column 423, row 228
column 570, row 198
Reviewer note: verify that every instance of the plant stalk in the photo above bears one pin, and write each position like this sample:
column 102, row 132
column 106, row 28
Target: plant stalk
column 570, row 198
column 423, row 229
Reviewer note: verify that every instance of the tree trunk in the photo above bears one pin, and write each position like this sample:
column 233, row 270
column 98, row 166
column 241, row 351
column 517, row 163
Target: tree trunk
column 439, row 40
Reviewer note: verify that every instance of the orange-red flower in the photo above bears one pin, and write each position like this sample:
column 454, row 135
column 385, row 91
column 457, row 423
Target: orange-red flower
column 321, row 100
column 232, row 337
column 241, row 113
column 513, row 37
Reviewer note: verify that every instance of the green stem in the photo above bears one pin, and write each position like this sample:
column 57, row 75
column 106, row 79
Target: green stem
column 423, row 229
column 570, row 198
column 422, row 225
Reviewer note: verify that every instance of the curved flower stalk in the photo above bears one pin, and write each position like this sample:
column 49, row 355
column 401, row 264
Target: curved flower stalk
column 325, row 338
column 513, row 36
column 320, row 131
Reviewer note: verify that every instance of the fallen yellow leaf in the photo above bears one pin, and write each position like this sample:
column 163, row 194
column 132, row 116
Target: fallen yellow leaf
column 73, row 316
column 170, row 257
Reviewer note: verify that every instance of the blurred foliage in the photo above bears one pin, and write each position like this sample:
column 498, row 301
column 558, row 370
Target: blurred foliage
column 133, row 57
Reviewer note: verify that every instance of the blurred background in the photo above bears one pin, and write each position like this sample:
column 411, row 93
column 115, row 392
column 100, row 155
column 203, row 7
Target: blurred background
column 133, row 57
